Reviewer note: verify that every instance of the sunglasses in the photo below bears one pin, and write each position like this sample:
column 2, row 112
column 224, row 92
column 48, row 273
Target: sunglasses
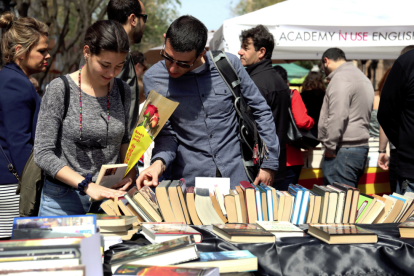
column 144, row 16
column 171, row 60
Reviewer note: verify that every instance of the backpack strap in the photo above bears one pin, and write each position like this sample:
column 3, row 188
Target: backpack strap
column 121, row 88
column 67, row 96
column 227, row 71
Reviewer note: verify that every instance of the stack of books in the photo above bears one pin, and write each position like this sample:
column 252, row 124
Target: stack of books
column 113, row 228
column 57, row 256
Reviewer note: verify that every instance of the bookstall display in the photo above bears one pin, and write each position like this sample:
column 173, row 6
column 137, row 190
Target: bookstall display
column 173, row 218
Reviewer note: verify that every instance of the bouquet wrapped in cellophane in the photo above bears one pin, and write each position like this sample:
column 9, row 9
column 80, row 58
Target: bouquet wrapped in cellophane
column 155, row 113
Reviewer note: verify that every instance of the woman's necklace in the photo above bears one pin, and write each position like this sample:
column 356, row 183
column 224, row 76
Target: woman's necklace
column 80, row 104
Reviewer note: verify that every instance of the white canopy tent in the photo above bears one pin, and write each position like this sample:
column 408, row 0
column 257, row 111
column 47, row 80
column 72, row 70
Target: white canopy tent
column 304, row 29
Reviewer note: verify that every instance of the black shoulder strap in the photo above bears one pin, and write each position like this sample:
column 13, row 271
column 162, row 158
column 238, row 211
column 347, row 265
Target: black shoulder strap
column 67, row 96
column 227, row 71
column 120, row 84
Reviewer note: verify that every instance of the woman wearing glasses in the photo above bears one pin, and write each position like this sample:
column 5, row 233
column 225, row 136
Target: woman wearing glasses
column 94, row 132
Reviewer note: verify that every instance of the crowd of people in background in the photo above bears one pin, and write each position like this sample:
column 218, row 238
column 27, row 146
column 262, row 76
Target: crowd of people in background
column 85, row 119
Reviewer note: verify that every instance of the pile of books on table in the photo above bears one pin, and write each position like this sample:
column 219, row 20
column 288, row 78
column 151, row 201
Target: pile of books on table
column 63, row 245
column 181, row 252
column 212, row 201
column 115, row 228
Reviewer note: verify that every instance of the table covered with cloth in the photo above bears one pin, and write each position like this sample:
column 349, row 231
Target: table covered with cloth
column 391, row 255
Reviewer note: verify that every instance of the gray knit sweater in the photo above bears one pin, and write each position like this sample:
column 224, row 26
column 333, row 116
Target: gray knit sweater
column 57, row 145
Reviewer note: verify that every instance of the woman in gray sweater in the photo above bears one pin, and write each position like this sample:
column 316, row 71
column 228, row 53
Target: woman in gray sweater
column 71, row 150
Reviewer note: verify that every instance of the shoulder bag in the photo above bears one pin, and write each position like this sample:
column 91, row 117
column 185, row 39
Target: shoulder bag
column 298, row 137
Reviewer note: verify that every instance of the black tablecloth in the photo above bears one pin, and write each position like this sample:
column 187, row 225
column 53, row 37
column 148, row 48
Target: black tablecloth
column 391, row 255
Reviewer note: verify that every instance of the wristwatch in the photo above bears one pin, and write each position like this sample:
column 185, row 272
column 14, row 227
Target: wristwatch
column 382, row 151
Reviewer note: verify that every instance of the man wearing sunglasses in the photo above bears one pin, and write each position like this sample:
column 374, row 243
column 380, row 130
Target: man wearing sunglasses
column 201, row 137
column 131, row 14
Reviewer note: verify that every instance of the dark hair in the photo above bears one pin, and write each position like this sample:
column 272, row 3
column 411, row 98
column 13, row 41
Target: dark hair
column 120, row 10
column 313, row 81
column 187, row 34
column 282, row 72
column 334, row 54
column 261, row 38
column 382, row 81
column 406, row 49
column 106, row 35
column 138, row 57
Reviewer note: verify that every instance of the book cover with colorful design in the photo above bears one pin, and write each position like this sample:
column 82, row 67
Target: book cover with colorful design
column 363, row 202
column 84, row 225
column 150, row 250
column 225, row 255
column 164, row 270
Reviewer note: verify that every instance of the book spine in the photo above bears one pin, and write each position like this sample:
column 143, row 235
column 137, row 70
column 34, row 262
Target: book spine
column 258, row 205
column 270, row 205
column 137, row 208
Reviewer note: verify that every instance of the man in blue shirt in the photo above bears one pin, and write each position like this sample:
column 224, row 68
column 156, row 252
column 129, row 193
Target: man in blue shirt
column 201, row 137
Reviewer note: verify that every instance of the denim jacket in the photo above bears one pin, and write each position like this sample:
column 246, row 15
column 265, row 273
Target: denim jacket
column 202, row 134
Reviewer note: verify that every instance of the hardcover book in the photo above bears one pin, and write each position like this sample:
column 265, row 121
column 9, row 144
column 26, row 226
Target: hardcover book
column 250, row 199
column 304, row 204
column 139, row 270
column 54, row 226
column 281, row 229
column 166, row 253
column 364, row 205
column 155, row 231
column 341, row 233
column 269, row 201
column 407, row 228
column 395, row 210
column 354, row 201
column 348, row 200
column 341, row 204
column 111, row 174
column 226, row 261
column 297, row 194
column 242, row 233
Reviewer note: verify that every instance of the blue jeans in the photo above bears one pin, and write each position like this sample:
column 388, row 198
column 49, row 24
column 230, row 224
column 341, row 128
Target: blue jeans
column 404, row 187
column 292, row 177
column 347, row 167
column 59, row 200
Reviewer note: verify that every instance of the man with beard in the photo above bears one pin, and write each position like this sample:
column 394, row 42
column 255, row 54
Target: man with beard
column 344, row 120
column 131, row 15
column 256, row 54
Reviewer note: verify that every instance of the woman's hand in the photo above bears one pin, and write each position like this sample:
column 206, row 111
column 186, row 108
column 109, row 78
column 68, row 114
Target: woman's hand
column 98, row 192
column 123, row 185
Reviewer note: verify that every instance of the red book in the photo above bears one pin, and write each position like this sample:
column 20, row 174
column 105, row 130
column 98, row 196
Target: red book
column 250, row 198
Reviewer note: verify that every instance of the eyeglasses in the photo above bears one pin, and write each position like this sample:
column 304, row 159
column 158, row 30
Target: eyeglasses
column 179, row 63
column 144, row 16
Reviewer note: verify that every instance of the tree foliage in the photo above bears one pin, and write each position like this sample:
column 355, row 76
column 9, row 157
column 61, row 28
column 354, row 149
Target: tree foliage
column 246, row 6
column 161, row 13
column 68, row 21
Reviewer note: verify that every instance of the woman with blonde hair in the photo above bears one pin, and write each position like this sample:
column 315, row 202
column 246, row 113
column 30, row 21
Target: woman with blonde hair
column 24, row 45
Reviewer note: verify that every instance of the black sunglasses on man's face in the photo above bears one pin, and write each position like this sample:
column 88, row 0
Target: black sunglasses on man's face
column 144, row 16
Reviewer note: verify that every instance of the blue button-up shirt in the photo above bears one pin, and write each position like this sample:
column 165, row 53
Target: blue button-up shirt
column 202, row 133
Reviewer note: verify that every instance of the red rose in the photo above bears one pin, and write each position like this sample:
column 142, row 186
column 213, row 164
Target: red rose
column 151, row 109
column 155, row 119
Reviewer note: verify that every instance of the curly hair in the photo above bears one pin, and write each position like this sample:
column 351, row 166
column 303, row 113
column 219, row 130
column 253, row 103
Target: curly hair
column 261, row 38
column 313, row 81
column 24, row 31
